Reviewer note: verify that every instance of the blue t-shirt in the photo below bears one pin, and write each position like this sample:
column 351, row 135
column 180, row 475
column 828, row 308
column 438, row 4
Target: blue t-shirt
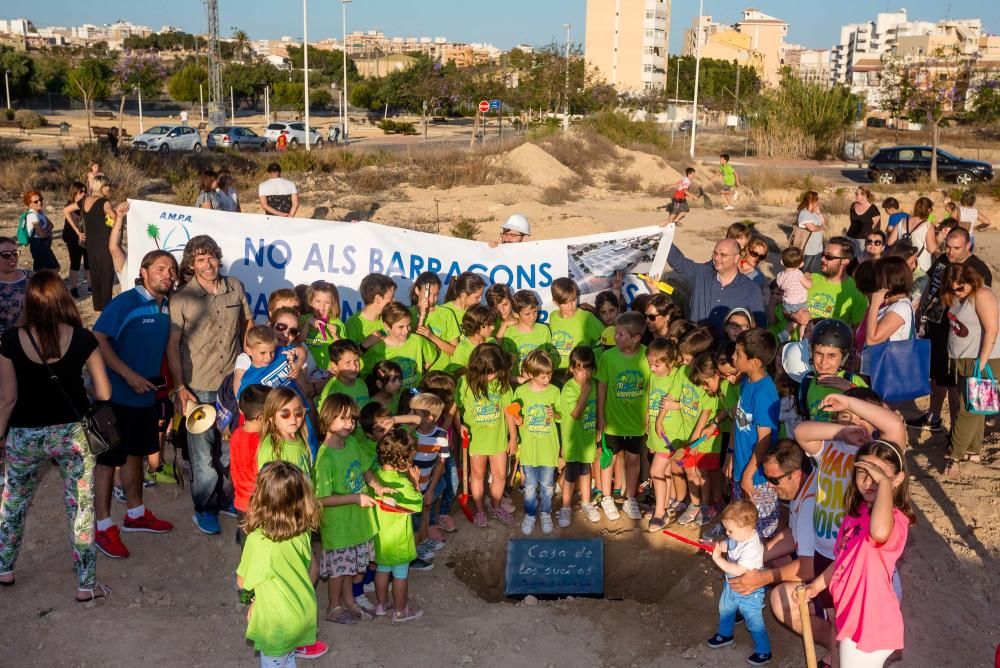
column 275, row 374
column 897, row 218
column 758, row 407
column 138, row 329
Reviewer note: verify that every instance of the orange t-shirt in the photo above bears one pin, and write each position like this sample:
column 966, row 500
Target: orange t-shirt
column 243, row 466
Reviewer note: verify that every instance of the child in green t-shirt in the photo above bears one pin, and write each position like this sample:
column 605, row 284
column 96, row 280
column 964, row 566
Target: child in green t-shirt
column 394, row 543
column 571, row 326
column 384, row 383
column 622, row 379
column 285, row 435
column 484, row 396
column 730, row 181
column 526, row 334
column 345, row 364
column 477, row 327
column 444, row 322
column 663, row 361
column 275, row 566
column 364, row 326
column 412, row 352
column 322, row 326
column 539, row 450
column 578, row 407
column 342, row 475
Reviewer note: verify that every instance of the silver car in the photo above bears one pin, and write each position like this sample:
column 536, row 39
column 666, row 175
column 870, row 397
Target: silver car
column 166, row 138
column 296, row 133
column 237, row 138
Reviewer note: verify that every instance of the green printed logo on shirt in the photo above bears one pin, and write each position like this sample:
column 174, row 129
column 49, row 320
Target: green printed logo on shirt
column 409, row 367
column 563, row 342
column 536, row 420
column 488, row 409
column 821, row 305
column 354, row 477
column 630, row 384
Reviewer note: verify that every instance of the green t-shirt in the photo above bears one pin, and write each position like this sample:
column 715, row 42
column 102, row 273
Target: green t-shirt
column 394, row 540
column 579, row 437
column 729, row 398
column 484, row 416
column 320, row 336
column 659, row 387
column 358, row 392
column 836, row 300
column 293, row 452
column 728, row 174
column 816, row 393
column 414, row 356
column 340, row 472
column 518, row 344
column 678, row 424
column 539, row 435
column 284, row 611
column 359, row 328
column 445, row 321
column 710, row 402
column 625, row 403
column 463, row 351
column 582, row 329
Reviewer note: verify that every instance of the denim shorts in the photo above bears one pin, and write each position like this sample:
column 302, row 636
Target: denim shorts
column 399, row 571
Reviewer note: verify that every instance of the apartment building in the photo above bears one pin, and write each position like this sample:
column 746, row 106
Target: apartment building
column 627, row 40
column 810, row 65
column 757, row 40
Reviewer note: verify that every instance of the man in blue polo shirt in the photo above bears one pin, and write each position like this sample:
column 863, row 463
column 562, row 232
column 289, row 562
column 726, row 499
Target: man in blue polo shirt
column 133, row 330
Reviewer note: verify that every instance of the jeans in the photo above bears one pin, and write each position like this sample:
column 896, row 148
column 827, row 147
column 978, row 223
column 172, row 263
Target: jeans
column 751, row 606
column 450, row 478
column 211, row 490
column 285, row 661
column 535, row 477
column 432, row 517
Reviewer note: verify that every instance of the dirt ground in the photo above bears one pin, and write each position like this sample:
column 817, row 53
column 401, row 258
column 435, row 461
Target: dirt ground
column 174, row 600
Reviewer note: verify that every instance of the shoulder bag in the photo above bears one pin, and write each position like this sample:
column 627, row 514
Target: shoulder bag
column 99, row 423
column 900, row 370
column 799, row 236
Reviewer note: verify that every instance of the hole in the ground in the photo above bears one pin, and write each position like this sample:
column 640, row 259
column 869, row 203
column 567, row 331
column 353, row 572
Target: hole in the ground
column 629, row 559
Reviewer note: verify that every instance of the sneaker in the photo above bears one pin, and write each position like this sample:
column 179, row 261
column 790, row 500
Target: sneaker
column 148, row 522
column 207, row 523
column 382, row 611
column 432, row 545
column 706, row 515
column 631, row 509
column 675, row 508
column 368, row 587
column 119, row 493
column 479, row 520
column 229, row 510
column 565, row 517
column 717, row 641
column 407, row 614
column 149, row 480
column 421, row 565
column 657, row 524
column 341, row 615
column 689, row 515
column 925, row 423
column 546, row 522
column 758, row 659
column 728, row 207
column 313, row 651
column 610, row 509
column 110, row 543
column 424, row 553
column 590, row 510
column 365, row 604
column 447, row 524
column 502, row 515
column 528, row 525
column 435, row 533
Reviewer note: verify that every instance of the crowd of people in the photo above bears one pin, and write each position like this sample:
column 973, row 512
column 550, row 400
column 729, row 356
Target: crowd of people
column 340, row 443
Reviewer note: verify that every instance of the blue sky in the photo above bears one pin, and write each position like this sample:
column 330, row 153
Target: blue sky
column 502, row 22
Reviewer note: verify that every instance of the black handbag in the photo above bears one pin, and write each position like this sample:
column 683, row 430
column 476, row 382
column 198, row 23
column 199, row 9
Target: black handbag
column 99, row 424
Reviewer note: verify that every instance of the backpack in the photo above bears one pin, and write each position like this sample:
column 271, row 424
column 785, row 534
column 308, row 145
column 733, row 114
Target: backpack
column 23, row 234
column 227, row 408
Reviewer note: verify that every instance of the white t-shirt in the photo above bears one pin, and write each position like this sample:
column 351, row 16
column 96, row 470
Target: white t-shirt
column 814, row 245
column 39, row 218
column 834, row 469
column 278, row 192
column 749, row 554
column 800, row 517
column 904, row 310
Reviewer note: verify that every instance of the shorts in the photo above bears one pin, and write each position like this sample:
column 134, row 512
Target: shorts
column 399, row 571
column 728, row 188
column 703, row 461
column 630, row 444
column 824, row 600
column 165, row 411
column 347, row 560
column 573, row 470
column 680, row 206
column 138, row 428
column 766, row 501
column 792, row 308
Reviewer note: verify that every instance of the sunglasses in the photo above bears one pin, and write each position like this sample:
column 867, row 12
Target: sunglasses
column 758, row 256
column 10, row 254
column 286, row 413
column 873, row 242
column 653, row 316
column 37, row 201
column 282, row 327
column 777, row 481
column 737, row 325
column 828, row 257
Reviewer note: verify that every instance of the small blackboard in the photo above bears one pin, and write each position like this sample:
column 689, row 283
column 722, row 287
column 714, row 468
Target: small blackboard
column 555, row 567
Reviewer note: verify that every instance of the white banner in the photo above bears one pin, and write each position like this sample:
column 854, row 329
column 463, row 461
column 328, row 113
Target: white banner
column 267, row 253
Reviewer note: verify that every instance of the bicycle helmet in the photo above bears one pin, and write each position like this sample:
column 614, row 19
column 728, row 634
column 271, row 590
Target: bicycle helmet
column 833, row 332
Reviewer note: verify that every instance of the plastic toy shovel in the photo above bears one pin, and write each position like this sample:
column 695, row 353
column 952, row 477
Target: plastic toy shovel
column 681, row 453
column 389, row 506
column 463, row 498
column 685, row 539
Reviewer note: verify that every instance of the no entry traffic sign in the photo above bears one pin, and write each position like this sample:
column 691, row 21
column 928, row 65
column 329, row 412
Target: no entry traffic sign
column 484, row 106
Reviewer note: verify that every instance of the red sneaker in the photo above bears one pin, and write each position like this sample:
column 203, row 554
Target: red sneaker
column 110, row 543
column 313, row 651
column 148, row 522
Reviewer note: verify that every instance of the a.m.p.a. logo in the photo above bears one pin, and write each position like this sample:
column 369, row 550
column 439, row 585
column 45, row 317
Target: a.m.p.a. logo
column 170, row 234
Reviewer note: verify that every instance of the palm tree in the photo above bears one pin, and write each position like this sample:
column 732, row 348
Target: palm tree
column 241, row 45
column 153, row 232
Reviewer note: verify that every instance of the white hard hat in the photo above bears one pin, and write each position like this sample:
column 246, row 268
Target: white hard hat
column 517, row 223
column 796, row 360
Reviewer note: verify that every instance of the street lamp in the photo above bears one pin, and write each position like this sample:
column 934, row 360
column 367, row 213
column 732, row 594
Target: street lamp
column 6, row 84
column 697, row 71
column 343, row 107
column 305, row 67
column 566, row 94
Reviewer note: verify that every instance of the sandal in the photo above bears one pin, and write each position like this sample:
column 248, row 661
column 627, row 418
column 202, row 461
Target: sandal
column 94, row 593
column 339, row 615
column 975, row 459
column 950, row 469
column 7, row 583
column 360, row 613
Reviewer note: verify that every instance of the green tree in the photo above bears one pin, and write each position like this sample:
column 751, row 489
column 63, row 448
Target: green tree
column 986, row 104
column 49, row 75
column 290, row 94
column 895, row 88
column 186, row 84
column 138, row 70
column 20, row 69
column 241, row 45
column 91, row 78
column 365, row 94
column 940, row 85
column 249, row 80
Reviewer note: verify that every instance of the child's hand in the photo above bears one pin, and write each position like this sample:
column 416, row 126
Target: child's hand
column 727, row 468
column 512, row 446
column 854, row 435
column 423, row 330
column 414, row 473
column 719, row 549
column 874, row 472
column 365, row 501
column 381, row 489
column 550, row 415
column 809, row 592
column 385, row 423
column 518, row 420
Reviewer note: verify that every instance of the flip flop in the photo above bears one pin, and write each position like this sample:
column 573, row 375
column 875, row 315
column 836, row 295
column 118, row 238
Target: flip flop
column 98, row 591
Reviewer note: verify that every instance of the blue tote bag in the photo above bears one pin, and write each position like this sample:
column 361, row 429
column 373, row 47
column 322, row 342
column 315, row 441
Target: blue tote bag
column 900, row 370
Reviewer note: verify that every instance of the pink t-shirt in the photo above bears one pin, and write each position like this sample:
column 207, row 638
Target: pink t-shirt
column 867, row 609
column 790, row 282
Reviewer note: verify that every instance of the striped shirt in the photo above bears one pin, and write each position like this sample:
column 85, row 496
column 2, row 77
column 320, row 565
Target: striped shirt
column 430, row 448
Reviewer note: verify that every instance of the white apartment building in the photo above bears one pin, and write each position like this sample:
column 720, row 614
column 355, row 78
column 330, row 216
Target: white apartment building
column 627, row 40
column 14, row 27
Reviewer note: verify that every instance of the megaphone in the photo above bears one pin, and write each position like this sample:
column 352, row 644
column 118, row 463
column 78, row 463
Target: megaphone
column 199, row 418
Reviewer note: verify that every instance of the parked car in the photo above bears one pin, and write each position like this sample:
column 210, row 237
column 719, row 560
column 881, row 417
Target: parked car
column 168, row 138
column 296, row 133
column 906, row 163
column 237, row 138
column 685, row 126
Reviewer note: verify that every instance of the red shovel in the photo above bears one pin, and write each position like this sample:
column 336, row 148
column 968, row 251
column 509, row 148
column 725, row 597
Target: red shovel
column 463, row 498
column 384, row 504
column 685, row 539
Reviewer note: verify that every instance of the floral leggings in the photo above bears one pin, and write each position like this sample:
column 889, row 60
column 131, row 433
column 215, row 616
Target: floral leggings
column 28, row 450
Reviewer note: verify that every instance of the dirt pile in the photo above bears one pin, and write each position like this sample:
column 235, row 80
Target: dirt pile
column 540, row 168
column 651, row 170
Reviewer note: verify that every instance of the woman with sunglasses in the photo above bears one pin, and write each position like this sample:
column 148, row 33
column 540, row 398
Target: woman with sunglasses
column 749, row 263
column 660, row 312
column 13, row 284
column 973, row 347
column 40, row 233
column 875, row 247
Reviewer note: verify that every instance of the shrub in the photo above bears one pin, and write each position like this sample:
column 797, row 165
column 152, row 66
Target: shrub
column 566, row 191
column 801, row 120
column 619, row 179
column 8, row 114
column 391, row 127
column 29, row 120
column 465, row 229
column 625, row 132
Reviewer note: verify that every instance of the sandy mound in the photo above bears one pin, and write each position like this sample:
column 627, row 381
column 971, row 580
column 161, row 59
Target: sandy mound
column 540, row 168
column 652, row 170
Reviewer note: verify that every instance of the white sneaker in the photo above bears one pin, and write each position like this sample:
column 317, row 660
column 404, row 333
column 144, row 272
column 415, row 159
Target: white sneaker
column 631, row 509
column 365, row 604
column 590, row 510
column 728, row 207
column 546, row 522
column 736, row 195
column 565, row 517
column 527, row 524
column 610, row 509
